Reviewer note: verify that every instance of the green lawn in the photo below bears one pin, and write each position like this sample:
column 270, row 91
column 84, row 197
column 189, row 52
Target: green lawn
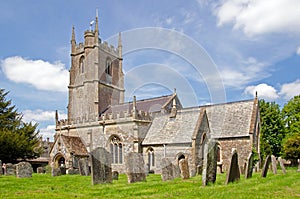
column 75, row 186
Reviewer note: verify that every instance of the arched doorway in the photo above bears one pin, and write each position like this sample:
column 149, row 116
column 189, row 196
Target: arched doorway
column 59, row 161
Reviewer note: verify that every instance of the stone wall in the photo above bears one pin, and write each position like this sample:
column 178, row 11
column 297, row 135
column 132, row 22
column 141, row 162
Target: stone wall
column 242, row 145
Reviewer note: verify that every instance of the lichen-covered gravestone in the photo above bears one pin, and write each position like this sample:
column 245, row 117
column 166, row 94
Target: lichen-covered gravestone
column 274, row 164
column 266, row 167
column 101, row 166
column 167, row 169
column 10, row 169
column 184, row 169
column 135, row 169
column 281, row 165
column 233, row 173
column 55, row 171
column 24, row 170
column 249, row 166
column 209, row 169
column 84, row 167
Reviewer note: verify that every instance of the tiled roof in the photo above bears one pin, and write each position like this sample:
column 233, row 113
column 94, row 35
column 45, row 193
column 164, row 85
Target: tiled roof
column 74, row 145
column 230, row 119
column 180, row 129
column 147, row 105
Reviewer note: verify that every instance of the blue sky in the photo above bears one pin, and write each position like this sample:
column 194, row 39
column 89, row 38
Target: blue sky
column 253, row 46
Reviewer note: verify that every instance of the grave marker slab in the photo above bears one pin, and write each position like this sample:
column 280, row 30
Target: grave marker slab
column 233, row 173
column 249, row 166
column 167, row 169
column 184, row 169
column 84, row 167
column 40, row 170
column 298, row 165
column 101, row 166
column 24, row 170
column 281, row 165
column 209, row 169
column 10, row 169
column 55, row 172
column 266, row 167
column 115, row 175
column 135, row 167
column 274, row 164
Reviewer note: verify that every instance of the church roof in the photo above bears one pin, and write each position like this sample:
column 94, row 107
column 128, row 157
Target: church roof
column 148, row 105
column 233, row 119
column 74, row 145
column 180, row 129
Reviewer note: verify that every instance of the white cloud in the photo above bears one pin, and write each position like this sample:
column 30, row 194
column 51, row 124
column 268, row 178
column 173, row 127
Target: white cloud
column 298, row 51
column 259, row 17
column 48, row 132
column 249, row 70
column 264, row 91
column 38, row 73
column 41, row 116
column 289, row 90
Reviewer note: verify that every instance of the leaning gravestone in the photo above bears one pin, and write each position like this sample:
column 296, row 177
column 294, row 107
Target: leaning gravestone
column 84, row 167
column 274, row 164
column 55, row 172
column 266, row 167
column 234, row 171
column 281, row 165
column 184, row 169
column 101, row 166
column 10, row 169
column 135, row 169
column 209, row 169
column 24, row 170
column 249, row 166
column 167, row 169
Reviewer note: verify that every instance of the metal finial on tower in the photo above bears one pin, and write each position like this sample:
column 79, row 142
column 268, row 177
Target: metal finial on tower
column 73, row 33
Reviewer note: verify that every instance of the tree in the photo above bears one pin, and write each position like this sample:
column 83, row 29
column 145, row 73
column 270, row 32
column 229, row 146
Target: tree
column 18, row 140
column 291, row 113
column 272, row 128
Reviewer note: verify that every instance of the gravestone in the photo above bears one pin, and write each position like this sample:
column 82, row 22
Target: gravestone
column 24, row 170
column 135, row 167
column 115, row 175
column 298, row 165
column 249, row 166
column 84, row 167
column 167, row 169
column 209, row 169
column 2, row 169
column 266, row 167
column 10, row 169
column 281, row 165
column 72, row 171
column 184, row 169
column 233, row 173
column 101, row 166
column 55, row 171
column 274, row 164
column 40, row 170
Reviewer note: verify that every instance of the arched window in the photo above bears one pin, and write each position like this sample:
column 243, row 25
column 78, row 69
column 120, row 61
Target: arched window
column 116, row 150
column 81, row 64
column 108, row 67
column 151, row 159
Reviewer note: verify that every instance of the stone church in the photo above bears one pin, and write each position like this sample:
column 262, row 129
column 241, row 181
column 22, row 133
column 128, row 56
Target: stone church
column 157, row 128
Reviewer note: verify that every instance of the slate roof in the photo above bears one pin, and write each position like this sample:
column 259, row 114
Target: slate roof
column 230, row 119
column 147, row 105
column 166, row 130
column 75, row 145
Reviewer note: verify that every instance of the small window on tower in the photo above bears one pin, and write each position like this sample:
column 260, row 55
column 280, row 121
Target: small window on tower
column 81, row 64
column 108, row 67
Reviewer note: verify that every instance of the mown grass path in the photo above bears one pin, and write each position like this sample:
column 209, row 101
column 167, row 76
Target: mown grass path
column 75, row 186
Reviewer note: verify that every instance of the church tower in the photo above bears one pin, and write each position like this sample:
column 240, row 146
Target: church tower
column 96, row 76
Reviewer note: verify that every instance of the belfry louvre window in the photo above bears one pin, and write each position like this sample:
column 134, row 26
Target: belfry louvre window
column 108, row 67
column 116, row 150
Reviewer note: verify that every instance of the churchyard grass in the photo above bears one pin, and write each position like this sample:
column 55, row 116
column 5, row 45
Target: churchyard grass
column 75, row 186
